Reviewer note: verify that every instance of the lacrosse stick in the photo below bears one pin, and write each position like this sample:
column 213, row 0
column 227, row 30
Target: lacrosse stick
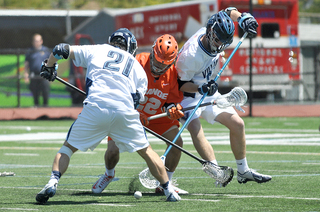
column 222, row 174
column 70, row 85
column 145, row 177
column 236, row 97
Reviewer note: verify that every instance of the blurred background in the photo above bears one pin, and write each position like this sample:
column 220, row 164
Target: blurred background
column 278, row 66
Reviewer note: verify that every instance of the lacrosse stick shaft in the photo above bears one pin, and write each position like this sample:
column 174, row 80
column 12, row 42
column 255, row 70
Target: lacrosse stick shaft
column 70, row 85
column 231, row 55
column 175, row 145
column 183, row 109
column 186, row 123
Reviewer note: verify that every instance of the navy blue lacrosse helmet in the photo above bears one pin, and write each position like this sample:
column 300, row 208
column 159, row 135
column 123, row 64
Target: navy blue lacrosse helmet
column 125, row 38
column 220, row 26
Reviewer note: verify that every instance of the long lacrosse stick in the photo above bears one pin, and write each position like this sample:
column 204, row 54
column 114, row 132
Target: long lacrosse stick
column 145, row 177
column 237, row 97
column 222, row 174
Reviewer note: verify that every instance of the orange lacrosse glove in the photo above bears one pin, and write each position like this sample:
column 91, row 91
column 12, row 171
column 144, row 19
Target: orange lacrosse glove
column 144, row 119
column 174, row 111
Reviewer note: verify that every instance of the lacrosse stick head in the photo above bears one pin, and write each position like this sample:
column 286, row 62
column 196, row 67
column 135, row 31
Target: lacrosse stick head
column 222, row 174
column 148, row 180
column 236, row 97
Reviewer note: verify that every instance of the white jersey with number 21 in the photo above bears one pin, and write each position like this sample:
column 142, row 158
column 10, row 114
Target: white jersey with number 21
column 112, row 74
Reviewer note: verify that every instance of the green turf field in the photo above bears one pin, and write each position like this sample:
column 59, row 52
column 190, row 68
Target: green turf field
column 286, row 148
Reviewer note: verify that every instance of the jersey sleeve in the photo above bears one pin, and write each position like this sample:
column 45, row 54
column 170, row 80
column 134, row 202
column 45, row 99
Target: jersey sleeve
column 186, row 66
column 142, row 83
column 81, row 54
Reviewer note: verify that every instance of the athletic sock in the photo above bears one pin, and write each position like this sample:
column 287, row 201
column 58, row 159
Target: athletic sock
column 214, row 161
column 242, row 165
column 55, row 177
column 170, row 174
column 165, row 186
column 110, row 172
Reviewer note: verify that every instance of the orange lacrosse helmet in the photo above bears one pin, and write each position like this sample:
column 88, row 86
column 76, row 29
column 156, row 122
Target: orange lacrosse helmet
column 165, row 49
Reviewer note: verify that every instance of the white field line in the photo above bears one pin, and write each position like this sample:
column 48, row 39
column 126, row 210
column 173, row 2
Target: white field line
column 253, row 196
column 213, row 129
column 19, row 209
column 264, row 130
column 157, row 150
column 21, row 154
column 197, row 194
column 34, row 128
column 214, row 138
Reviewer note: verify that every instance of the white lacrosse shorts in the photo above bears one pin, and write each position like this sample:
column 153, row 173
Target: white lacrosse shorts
column 209, row 113
column 94, row 124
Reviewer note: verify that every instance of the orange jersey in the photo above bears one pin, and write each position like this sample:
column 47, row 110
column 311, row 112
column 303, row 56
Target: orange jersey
column 160, row 91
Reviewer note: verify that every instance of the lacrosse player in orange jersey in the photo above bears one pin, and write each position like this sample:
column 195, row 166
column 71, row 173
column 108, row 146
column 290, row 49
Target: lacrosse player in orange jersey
column 162, row 95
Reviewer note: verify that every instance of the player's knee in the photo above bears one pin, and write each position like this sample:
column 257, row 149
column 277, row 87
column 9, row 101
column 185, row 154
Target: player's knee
column 238, row 125
column 66, row 150
column 194, row 126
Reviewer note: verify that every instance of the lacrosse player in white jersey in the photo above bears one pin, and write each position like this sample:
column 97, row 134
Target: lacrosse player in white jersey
column 115, row 84
column 196, row 63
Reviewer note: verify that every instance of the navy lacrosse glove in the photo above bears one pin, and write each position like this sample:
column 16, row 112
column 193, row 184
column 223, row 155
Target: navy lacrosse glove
column 248, row 23
column 49, row 73
column 210, row 88
column 136, row 99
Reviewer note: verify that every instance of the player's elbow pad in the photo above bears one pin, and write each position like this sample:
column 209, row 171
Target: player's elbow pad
column 61, row 51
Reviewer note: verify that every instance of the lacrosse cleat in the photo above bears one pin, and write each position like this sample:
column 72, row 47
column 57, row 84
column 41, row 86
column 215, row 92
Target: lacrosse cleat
column 159, row 190
column 102, row 183
column 48, row 191
column 252, row 175
column 171, row 195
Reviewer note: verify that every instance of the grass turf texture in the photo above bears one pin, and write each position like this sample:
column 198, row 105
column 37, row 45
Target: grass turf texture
column 59, row 96
column 294, row 187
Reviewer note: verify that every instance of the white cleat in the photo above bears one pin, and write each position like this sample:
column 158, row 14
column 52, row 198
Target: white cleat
column 48, row 191
column 171, row 195
column 102, row 183
column 252, row 175
column 159, row 190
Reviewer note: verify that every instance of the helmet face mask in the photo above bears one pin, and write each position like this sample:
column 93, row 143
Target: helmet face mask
column 124, row 38
column 163, row 54
column 220, row 31
column 215, row 45
column 157, row 68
